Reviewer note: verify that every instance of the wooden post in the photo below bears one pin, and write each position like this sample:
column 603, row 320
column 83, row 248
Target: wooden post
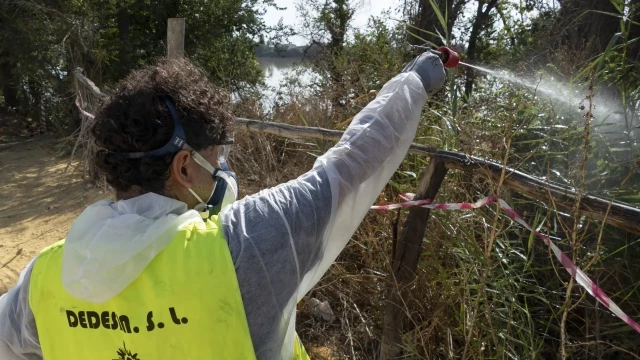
column 405, row 261
column 175, row 38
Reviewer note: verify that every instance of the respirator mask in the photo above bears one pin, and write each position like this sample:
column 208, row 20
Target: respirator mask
column 225, row 188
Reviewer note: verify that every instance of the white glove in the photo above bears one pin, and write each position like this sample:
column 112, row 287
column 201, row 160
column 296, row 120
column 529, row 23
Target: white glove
column 429, row 69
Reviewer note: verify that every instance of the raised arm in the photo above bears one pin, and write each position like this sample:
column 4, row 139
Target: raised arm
column 368, row 154
column 283, row 239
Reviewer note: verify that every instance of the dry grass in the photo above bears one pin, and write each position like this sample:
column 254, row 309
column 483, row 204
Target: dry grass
column 486, row 288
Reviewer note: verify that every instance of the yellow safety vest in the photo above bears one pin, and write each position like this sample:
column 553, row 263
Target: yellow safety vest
column 185, row 305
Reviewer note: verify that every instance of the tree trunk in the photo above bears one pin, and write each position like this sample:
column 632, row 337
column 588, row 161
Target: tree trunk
column 472, row 49
column 161, row 11
column 337, row 20
column 454, row 11
column 35, row 95
column 634, row 32
column 124, row 44
column 9, row 83
column 426, row 19
column 585, row 31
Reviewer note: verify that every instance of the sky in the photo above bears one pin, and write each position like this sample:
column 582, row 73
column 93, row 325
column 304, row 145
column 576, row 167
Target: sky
column 290, row 17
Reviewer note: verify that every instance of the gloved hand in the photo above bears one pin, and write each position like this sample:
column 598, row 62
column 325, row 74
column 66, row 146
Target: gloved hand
column 430, row 70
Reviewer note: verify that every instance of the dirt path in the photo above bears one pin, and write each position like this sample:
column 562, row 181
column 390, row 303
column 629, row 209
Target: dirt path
column 38, row 201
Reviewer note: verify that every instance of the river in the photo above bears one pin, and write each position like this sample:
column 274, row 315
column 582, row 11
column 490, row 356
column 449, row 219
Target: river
column 276, row 71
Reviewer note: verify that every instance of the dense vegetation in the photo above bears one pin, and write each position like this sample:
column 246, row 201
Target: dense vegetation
column 486, row 288
column 43, row 41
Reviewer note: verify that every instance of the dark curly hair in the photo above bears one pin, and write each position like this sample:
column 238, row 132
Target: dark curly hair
column 137, row 119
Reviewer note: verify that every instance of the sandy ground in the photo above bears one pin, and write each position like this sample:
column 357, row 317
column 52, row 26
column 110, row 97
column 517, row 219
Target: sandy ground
column 38, row 200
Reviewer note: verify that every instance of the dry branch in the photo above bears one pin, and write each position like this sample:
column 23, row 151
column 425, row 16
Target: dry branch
column 89, row 84
column 620, row 215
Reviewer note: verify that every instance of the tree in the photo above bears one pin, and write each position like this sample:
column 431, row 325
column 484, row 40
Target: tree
column 422, row 15
column 326, row 24
column 583, row 26
column 43, row 41
column 8, row 80
column 480, row 21
column 124, row 43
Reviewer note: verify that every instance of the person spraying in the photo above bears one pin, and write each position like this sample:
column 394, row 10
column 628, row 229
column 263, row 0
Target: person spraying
column 176, row 268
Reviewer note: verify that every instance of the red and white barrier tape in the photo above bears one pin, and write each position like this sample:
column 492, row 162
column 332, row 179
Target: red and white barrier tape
column 581, row 278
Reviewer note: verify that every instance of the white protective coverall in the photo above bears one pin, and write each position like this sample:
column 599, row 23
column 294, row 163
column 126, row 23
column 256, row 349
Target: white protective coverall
column 282, row 240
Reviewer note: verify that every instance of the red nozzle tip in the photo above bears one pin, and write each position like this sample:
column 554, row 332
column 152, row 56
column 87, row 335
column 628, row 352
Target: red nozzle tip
column 450, row 58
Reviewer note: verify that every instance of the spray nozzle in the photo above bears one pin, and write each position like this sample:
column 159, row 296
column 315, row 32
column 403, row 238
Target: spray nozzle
column 450, row 58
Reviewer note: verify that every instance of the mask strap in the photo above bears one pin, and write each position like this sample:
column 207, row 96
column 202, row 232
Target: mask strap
column 200, row 160
column 217, row 173
column 201, row 208
column 175, row 144
column 196, row 196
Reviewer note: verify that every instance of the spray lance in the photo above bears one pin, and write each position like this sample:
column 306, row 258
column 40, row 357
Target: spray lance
column 450, row 59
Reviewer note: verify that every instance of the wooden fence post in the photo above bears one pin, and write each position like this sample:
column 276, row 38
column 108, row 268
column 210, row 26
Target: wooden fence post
column 405, row 261
column 175, row 38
